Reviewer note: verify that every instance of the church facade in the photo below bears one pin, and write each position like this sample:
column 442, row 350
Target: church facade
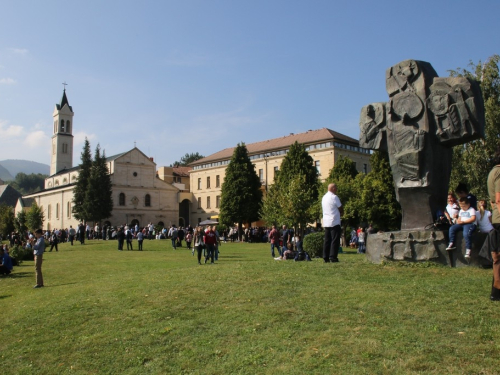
column 139, row 196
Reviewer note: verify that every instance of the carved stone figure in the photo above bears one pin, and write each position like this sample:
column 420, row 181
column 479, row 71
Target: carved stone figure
column 425, row 116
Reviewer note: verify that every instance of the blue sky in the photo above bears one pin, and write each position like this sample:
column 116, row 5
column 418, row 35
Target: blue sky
column 200, row 76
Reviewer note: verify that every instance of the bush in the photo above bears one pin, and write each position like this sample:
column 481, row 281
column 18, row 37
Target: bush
column 313, row 244
column 19, row 253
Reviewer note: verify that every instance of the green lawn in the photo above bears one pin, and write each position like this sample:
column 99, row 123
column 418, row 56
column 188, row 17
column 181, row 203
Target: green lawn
column 103, row 311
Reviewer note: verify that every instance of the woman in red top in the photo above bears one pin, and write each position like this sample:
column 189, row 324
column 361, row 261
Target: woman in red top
column 274, row 238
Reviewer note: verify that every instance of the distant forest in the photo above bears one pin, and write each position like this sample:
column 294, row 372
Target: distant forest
column 28, row 183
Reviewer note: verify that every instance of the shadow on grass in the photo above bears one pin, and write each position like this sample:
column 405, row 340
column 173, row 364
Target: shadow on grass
column 8, row 296
column 19, row 275
column 55, row 285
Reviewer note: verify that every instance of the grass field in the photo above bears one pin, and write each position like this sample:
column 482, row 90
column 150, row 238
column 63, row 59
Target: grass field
column 103, row 311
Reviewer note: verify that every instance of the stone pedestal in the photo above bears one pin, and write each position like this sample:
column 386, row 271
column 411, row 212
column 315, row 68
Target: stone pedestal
column 420, row 245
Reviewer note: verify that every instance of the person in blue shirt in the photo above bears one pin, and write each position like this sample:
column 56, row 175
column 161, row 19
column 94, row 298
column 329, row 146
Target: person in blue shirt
column 6, row 266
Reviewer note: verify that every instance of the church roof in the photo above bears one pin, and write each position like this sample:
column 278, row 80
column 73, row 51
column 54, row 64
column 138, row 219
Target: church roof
column 9, row 195
column 108, row 159
column 64, row 101
column 310, row 136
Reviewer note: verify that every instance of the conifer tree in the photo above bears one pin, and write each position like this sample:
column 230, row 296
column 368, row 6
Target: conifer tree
column 241, row 194
column 378, row 196
column 80, row 190
column 99, row 200
column 20, row 222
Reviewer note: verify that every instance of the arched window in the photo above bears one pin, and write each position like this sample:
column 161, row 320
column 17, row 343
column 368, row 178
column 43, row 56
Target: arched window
column 57, row 211
column 68, row 129
column 68, row 209
column 62, row 125
column 121, row 199
column 49, row 211
column 147, row 200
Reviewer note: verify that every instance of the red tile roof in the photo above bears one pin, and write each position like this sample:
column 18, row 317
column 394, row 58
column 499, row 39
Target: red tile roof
column 310, row 136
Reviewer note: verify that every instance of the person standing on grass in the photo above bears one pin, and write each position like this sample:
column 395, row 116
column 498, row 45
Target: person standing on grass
column 332, row 211
column 38, row 250
column 198, row 242
column 140, row 239
column 210, row 240
column 53, row 240
column 72, row 233
column 120, row 236
column 274, row 238
column 493, row 241
column 128, row 236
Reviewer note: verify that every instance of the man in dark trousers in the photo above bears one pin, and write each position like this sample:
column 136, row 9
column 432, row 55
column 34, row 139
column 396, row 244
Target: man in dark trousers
column 332, row 211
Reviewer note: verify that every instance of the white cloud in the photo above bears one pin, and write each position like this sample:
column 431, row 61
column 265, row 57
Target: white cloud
column 19, row 51
column 80, row 139
column 37, row 139
column 7, row 81
column 9, row 132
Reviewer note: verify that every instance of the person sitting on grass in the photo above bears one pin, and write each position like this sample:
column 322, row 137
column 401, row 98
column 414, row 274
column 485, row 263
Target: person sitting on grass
column 466, row 222
column 6, row 266
column 300, row 254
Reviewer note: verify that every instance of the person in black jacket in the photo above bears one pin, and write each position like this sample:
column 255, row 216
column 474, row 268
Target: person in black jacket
column 120, row 236
column 129, row 237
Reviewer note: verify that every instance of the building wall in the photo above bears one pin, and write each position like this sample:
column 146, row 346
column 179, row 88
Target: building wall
column 322, row 154
column 134, row 176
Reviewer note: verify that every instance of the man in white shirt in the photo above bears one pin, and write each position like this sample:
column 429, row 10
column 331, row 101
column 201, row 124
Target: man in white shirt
column 332, row 211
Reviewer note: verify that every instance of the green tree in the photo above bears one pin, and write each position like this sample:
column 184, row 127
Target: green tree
column 82, row 183
column 472, row 161
column 28, row 183
column 6, row 220
column 187, row 159
column 378, row 197
column 20, row 222
column 99, row 194
column 349, row 183
column 241, row 194
column 292, row 197
column 35, row 217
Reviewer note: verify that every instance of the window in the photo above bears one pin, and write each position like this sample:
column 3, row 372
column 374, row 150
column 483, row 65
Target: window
column 68, row 209
column 199, row 184
column 261, row 175
column 65, row 148
column 365, row 168
column 62, row 125
column 121, row 199
column 217, row 201
column 177, row 179
column 147, row 200
column 67, row 127
column 208, row 182
column 57, row 211
column 208, row 202
column 316, row 164
column 199, row 202
column 217, row 181
column 199, row 220
column 49, row 209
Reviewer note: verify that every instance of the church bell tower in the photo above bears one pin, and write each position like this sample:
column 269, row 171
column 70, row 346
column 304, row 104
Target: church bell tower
column 62, row 138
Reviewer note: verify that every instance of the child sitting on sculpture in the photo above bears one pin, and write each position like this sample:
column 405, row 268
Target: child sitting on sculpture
column 466, row 222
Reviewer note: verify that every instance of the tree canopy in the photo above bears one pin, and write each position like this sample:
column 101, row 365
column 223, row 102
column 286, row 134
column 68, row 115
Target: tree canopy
column 28, row 183
column 187, row 159
column 6, row 219
column 241, row 194
column 472, row 161
column 35, row 217
column 291, row 199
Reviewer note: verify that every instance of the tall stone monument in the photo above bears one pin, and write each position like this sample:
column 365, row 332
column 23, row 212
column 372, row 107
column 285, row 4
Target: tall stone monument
column 424, row 117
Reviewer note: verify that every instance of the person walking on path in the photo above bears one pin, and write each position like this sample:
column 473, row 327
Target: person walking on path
column 38, row 250
column 332, row 211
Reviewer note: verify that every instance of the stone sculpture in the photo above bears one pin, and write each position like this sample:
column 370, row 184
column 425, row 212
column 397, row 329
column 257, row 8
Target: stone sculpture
column 425, row 116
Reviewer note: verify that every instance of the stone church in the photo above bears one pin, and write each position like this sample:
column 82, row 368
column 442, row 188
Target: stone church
column 139, row 195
